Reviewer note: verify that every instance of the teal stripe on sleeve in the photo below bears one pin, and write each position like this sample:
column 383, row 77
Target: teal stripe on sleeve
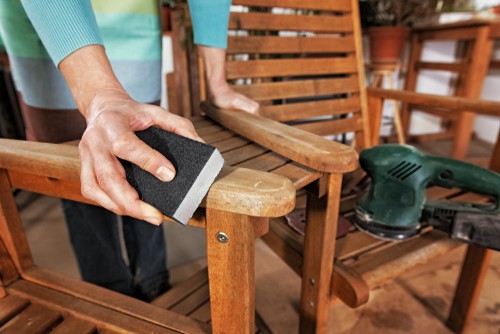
column 64, row 26
column 130, row 36
column 210, row 21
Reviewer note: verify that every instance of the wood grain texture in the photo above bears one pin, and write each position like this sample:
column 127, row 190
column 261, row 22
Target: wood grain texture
column 333, row 127
column 482, row 107
column 89, row 296
column 102, row 317
column 468, row 290
column 289, row 67
column 300, row 146
column 72, row 325
column 275, row 22
column 319, row 248
column 8, row 270
column 236, row 190
column 231, row 271
column 10, row 306
column 35, row 319
column 287, row 45
column 11, row 228
column 338, row 5
column 301, row 110
column 299, row 88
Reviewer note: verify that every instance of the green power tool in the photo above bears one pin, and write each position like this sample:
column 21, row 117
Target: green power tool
column 396, row 208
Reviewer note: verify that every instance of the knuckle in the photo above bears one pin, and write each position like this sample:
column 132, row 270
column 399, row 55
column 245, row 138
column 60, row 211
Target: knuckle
column 120, row 143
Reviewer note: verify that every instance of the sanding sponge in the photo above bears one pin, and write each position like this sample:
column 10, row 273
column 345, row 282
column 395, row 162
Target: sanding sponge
column 196, row 166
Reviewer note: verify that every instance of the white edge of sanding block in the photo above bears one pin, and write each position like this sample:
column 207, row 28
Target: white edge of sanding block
column 199, row 188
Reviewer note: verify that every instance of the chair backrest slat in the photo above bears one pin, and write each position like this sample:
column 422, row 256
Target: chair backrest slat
column 296, row 89
column 287, row 45
column 334, row 6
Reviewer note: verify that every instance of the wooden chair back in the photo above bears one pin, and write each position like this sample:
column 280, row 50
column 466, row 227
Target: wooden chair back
column 302, row 61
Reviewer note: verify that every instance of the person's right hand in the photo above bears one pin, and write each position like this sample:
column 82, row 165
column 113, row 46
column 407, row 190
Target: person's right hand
column 112, row 117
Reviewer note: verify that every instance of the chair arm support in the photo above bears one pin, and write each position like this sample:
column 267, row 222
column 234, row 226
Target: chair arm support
column 237, row 190
column 298, row 145
column 491, row 108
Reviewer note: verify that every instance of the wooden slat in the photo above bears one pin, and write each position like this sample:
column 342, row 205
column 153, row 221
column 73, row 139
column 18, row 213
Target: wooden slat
column 285, row 45
column 384, row 265
column 36, row 319
column 83, row 295
column 243, row 154
column 355, row 243
column 11, row 306
column 202, row 313
column 289, row 67
column 275, row 22
column 443, row 113
column 72, row 325
column 299, row 88
column 333, row 127
column 450, row 67
column 231, row 143
column 495, row 64
column 495, row 31
column 337, row 5
column 440, row 193
column 8, row 270
column 438, row 101
column 216, row 137
column 302, row 110
column 471, row 198
column 192, row 301
column 208, row 130
column 448, row 34
column 179, row 292
column 265, row 162
column 299, row 175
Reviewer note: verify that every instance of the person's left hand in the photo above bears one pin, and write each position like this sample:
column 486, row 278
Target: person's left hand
column 224, row 96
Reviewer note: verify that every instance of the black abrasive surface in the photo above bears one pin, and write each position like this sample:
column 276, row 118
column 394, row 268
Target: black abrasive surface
column 188, row 157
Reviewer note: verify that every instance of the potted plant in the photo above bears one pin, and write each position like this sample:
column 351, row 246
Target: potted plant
column 388, row 24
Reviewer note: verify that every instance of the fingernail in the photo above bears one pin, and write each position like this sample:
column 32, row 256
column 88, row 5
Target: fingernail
column 165, row 174
column 153, row 216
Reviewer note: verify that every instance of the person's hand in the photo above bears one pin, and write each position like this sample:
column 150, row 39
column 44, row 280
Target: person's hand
column 112, row 117
column 220, row 93
column 223, row 96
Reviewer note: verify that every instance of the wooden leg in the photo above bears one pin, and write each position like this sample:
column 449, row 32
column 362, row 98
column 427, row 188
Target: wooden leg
column 375, row 111
column 411, row 80
column 230, row 255
column 11, row 228
column 469, row 288
column 319, row 248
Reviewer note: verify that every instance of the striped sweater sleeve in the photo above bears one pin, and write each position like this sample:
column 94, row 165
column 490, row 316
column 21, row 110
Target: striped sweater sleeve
column 210, row 21
column 63, row 26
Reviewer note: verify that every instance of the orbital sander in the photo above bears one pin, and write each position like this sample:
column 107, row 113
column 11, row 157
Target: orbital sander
column 396, row 208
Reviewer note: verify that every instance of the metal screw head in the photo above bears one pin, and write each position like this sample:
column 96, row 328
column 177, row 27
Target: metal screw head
column 312, row 281
column 311, row 303
column 222, row 237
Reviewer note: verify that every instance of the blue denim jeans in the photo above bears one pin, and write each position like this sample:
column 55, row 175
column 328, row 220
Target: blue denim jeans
column 95, row 239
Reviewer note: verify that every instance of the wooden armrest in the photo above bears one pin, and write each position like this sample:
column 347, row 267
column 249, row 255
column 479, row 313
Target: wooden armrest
column 298, row 145
column 491, row 108
column 237, row 190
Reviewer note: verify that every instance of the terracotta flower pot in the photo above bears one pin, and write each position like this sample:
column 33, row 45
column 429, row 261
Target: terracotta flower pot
column 387, row 43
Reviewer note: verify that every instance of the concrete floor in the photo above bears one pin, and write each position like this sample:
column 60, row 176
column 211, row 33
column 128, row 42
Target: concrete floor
column 416, row 302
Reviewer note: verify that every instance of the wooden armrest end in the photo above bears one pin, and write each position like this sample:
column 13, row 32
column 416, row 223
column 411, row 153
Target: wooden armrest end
column 237, row 190
column 491, row 108
column 298, row 145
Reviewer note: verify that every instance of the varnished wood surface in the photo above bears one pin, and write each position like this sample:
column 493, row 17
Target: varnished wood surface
column 491, row 108
column 251, row 190
column 301, row 146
